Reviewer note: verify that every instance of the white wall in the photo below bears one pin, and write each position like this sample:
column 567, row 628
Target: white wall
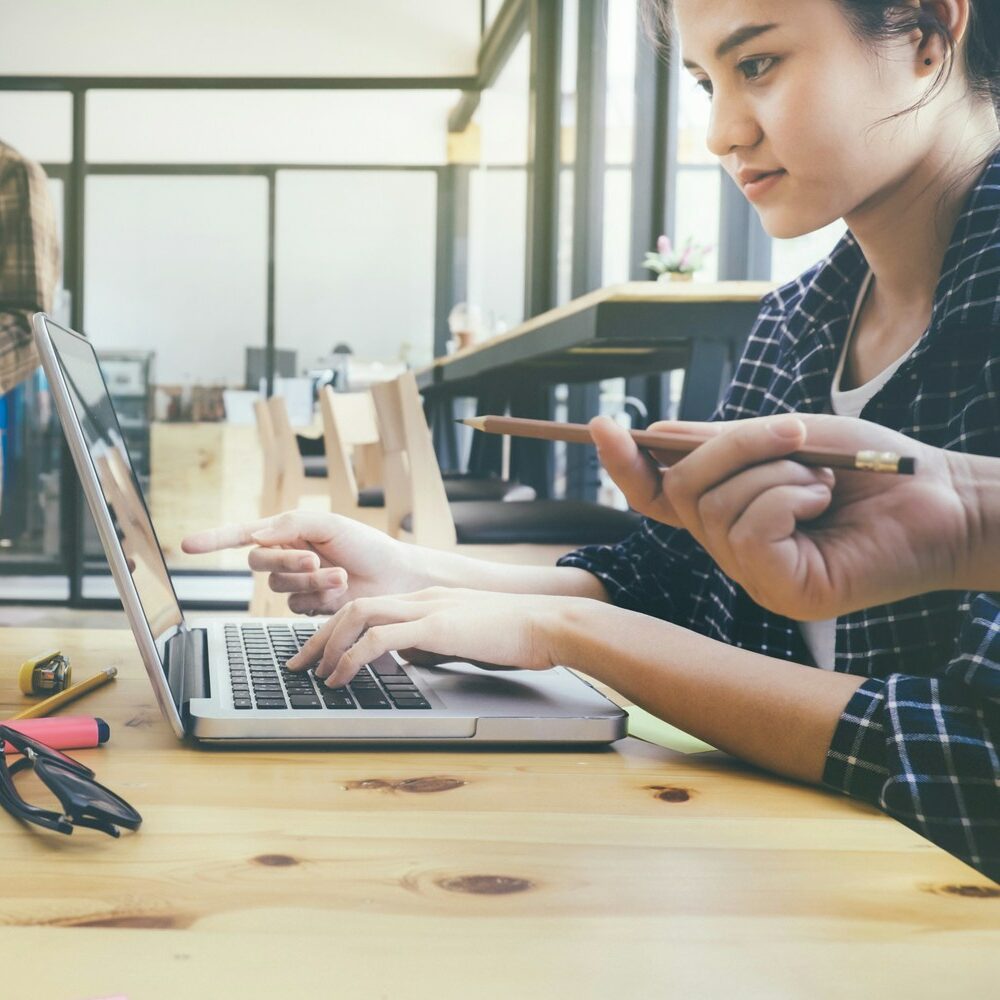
column 246, row 38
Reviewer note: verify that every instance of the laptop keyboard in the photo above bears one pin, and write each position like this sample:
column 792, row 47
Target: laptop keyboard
column 257, row 656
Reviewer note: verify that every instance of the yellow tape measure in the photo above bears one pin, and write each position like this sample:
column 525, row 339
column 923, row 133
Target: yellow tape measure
column 46, row 674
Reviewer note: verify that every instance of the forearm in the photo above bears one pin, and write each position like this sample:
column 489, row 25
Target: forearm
column 452, row 569
column 778, row 715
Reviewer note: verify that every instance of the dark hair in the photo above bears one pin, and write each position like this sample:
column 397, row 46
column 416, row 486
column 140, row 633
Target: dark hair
column 876, row 21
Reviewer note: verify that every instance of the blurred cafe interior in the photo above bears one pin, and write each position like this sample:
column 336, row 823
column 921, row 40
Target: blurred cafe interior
column 299, row 208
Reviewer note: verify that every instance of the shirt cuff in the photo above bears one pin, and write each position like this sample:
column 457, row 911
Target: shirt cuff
column 855, row 762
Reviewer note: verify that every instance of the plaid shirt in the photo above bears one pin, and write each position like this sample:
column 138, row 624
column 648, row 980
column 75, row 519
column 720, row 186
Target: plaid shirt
column 29, row 261
column 920, row 738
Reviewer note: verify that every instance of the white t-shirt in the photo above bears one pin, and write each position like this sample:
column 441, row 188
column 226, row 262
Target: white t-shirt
column 821, row 637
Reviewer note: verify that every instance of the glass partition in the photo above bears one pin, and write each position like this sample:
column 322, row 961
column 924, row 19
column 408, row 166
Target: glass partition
column 39, row 124
column 699, row 177
column 354, row 252
column 268, row 126
column 498, row 197
column 619, row 140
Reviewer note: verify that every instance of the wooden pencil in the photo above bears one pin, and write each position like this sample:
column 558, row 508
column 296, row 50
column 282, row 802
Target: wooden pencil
column 71, row 693
column 670, row 447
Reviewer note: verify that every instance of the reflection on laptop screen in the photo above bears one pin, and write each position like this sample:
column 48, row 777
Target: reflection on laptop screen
column 117, row 479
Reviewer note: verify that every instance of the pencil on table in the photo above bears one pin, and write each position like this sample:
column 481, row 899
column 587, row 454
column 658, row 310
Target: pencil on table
column 671, row 446
column 71, row 693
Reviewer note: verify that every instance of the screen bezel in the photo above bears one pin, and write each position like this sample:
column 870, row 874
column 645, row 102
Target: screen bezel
column 152, row 654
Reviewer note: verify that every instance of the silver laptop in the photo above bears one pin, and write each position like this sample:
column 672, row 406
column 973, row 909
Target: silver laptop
column 225, row 681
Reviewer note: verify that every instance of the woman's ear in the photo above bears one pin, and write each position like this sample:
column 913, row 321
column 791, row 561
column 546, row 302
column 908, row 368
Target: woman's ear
column 934, row 49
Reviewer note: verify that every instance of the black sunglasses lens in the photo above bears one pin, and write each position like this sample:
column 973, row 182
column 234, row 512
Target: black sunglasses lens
column 96, row 798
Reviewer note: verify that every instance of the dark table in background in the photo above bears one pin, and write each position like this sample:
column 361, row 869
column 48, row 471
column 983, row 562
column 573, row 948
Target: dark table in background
column 641, row 329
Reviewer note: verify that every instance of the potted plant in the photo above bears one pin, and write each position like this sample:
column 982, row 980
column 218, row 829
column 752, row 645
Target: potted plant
column 676, row 264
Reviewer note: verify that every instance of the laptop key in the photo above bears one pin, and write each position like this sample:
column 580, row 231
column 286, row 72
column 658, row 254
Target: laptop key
column 304, row 702
column 386, row 666
column 242, row 703
column 271, row 703
column 370, row 699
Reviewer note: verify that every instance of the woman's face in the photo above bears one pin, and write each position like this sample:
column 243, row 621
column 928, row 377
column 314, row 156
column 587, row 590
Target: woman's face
column 797, row 98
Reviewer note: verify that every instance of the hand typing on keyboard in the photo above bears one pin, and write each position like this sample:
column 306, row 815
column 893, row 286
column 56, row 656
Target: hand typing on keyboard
column 531, row 632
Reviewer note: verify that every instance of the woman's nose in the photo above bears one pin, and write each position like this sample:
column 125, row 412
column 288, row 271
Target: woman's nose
column 731, row 126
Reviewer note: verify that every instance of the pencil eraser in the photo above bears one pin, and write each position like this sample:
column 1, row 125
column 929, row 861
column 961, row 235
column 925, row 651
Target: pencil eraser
column 103, row 731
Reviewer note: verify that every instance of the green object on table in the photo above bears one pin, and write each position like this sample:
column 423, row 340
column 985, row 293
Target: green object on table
column 648, row 727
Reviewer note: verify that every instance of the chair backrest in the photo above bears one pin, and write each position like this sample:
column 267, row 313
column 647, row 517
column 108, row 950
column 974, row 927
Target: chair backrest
column 412, row 476
column 288, row 459
column 355, row 415
column 337, row 435
column 270, row 487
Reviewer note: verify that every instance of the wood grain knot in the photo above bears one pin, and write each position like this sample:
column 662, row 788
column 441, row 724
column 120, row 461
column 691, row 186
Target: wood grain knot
column 275, row 860
column 142, row 921
column 436, row 783
column 667, row 794
column 971, row 891
column 485, row 885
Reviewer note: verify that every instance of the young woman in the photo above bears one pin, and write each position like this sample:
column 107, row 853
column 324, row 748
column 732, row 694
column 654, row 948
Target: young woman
column 882, row 113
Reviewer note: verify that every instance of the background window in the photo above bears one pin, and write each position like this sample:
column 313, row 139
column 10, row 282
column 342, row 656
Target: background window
column 268, row 126
column 355, row 264
column 699, row 176
column 178, row 265
column 619, row 140
column 498, row 197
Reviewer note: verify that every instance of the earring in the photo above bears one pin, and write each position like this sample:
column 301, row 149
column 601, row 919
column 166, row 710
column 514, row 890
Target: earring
column 928, row 62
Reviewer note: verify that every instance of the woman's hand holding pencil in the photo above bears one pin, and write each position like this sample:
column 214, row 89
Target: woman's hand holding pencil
column 813, row 543
column 788, row 508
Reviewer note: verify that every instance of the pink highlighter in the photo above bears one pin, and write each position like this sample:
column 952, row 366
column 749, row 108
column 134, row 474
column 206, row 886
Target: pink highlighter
column 62, row 732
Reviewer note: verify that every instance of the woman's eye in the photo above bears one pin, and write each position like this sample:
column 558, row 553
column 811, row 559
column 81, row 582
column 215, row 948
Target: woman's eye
column 756, row 67
column 705, row 85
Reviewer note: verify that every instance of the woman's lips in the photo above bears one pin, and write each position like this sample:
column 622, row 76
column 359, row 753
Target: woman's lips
column 761, row 185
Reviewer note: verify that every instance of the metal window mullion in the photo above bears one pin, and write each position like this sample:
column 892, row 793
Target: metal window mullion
column 584, row 400
column 71, row 492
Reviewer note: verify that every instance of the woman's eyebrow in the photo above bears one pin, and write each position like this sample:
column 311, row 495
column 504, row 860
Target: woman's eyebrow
column 737, row 38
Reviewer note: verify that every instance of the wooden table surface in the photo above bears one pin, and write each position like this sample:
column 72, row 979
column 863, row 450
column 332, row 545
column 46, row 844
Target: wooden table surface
column 632, row 871
column 637, row 328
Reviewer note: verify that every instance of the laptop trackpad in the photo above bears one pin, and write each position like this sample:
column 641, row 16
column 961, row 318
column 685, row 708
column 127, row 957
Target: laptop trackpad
column 554, row 693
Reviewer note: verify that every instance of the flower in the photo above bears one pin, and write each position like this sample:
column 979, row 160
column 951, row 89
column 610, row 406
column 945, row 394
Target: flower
column 686, row 260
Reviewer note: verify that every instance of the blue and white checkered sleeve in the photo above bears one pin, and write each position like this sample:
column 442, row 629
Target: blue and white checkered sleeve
column 925, row 749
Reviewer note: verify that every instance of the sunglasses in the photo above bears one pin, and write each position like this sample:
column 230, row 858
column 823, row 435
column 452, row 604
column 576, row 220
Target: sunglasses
column 84, row 801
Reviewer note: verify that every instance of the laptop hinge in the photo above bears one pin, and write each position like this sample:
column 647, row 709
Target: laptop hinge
column 187, row 666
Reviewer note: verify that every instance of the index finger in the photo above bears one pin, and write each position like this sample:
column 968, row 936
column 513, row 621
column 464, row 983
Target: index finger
column 229, row 536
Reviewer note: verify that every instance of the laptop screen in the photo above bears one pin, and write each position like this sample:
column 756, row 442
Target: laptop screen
column 116, row 477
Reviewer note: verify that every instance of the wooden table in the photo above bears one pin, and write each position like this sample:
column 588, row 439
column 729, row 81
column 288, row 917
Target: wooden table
column 629, row 329
column 640, row 328
column 632, row 871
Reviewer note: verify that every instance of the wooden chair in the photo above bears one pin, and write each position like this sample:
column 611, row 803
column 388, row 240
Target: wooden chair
column 536, row 531
column 264, row 603
column 270, row 486
column 293, row 481
column 351, row 437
